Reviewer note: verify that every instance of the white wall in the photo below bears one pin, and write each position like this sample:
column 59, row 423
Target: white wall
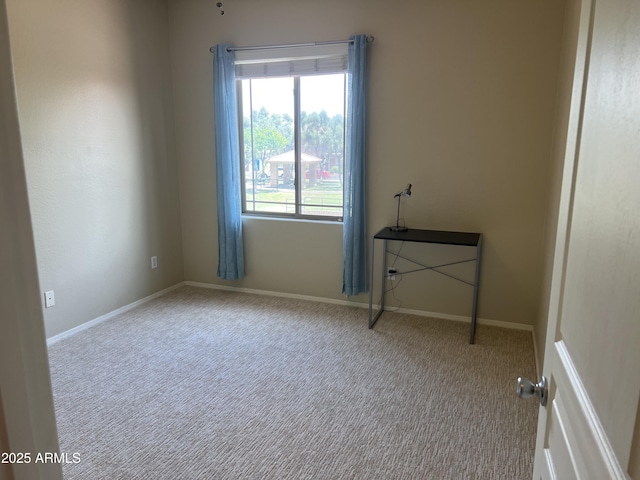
column 473, row 136
column 95, row 106
column 460, row 103
column 27, row 422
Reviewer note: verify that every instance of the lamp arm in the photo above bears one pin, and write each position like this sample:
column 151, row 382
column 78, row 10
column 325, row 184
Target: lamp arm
column 405, row 193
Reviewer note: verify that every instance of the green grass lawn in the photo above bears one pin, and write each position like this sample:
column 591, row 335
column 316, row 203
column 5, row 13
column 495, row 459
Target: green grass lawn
column 327, row 193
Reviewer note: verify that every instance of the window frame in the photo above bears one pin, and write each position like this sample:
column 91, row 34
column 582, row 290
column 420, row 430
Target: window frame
column 297, row 132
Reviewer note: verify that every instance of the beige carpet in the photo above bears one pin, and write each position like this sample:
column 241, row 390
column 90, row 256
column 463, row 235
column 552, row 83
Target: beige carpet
column 205, row 384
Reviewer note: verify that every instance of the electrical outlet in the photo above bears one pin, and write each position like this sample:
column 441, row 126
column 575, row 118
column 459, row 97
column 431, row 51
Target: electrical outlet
column 391, row 273
column 154, row 262
column 49, row 299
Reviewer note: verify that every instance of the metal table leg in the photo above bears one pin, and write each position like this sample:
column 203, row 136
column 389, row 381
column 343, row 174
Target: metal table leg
column 374, row 319
column 476, row 284
column 371, row 263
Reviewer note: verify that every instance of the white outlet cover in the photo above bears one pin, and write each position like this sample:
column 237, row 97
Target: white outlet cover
column 154, row 262
column 49, row 299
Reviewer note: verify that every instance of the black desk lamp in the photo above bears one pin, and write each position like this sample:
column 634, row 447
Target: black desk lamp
column 405, row 193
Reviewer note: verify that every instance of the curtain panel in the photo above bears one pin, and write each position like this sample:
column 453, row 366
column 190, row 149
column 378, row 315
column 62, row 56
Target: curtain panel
column 354, row 274
column 230, row 243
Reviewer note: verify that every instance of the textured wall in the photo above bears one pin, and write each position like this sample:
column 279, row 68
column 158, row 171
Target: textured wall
column 94, row 99
column 460, row 103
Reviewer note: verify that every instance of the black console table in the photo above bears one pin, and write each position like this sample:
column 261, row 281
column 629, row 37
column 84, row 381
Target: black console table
column 426, row 236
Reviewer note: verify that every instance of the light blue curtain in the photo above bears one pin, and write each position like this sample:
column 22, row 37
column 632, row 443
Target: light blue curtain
column 230, row 245
column 354, row 273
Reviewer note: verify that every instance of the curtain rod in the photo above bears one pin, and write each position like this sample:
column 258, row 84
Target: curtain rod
column 370, row 39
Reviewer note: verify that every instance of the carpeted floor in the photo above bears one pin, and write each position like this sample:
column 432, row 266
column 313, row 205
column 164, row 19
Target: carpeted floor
column 207, row 384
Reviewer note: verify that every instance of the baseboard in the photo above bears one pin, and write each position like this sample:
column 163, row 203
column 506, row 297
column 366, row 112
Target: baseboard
column 422, row 313
column 271, row 293
column 107, row 316
column 462, row 318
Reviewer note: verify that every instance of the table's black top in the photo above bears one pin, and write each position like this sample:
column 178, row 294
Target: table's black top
column 431, row 236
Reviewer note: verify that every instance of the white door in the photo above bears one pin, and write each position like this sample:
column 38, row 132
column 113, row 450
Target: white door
column 589, row 428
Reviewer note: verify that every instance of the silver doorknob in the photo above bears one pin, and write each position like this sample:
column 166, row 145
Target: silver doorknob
column 526, row 388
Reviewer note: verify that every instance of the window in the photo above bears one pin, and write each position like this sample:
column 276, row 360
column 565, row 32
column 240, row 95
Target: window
column 292, row 138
